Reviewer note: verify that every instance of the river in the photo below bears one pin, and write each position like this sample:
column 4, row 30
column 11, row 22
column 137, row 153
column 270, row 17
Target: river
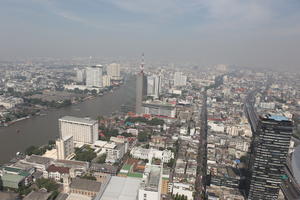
column 40, row 129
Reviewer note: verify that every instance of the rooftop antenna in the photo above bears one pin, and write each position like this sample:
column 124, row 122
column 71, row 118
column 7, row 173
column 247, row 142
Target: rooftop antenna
column 142, row 64
column 90, row 61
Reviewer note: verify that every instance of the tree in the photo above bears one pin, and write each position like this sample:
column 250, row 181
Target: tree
column 24, row 190
column 94, row 92
column 101, row 159
column 35, row 150
column 143, row 137
column 89, row 177
column 125, row 134
column 48, row 184
column 171, row 163
column 85, row 154
column 156, row 122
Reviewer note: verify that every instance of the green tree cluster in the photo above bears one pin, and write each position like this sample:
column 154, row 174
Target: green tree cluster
column 24, row 190
column 152, row 122
column 40, row 150
column 86, row 154
column 35, row 150
column 125, row 134
column 52, row 104
column 101, row 159
column 143, row 137
column 171, row 163
column 109, row 133
column 49, row 184
column 89, row 177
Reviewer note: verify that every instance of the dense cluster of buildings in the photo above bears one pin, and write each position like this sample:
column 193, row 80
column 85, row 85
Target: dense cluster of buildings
column 211, row 134
column 96, row 77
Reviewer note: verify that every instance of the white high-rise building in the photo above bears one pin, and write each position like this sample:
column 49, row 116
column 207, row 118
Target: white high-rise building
column 64, row 147
column 80, row 75
column 113, row 70
column 179, row 79
column 106, row 81
column 153, row 86
column 94, row 76
column 83, row 130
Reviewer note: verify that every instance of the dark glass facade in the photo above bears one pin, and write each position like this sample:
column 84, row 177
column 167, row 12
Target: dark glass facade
column 268, row 155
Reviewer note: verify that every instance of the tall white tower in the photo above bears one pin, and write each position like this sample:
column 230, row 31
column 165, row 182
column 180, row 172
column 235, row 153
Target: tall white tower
column 154, row 86
column 94, row 76
column 113, row 70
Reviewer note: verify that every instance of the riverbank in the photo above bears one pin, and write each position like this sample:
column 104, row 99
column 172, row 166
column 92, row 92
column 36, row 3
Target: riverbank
column 38, row 130
column 59, row 106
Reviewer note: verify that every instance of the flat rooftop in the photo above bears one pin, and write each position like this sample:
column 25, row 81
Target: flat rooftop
column 122, row 188
column 8, row 196
column 79, row 120
column 278, row 118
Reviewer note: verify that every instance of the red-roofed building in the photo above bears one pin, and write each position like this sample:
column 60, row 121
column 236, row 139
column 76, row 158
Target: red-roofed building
column 56, row 172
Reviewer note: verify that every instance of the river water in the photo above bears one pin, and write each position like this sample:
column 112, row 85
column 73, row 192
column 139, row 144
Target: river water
column 40, row 129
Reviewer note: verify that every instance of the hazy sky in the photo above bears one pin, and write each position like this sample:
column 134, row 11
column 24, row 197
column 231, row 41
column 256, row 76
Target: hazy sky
column 246, row 32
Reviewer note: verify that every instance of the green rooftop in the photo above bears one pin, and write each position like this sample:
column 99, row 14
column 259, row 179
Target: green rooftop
column 126, row 167
column 12, row 169
column 11, row 180
column 16, row 170
column 135, row 175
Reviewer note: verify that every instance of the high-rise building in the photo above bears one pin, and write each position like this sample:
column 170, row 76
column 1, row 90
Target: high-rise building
column 64, row 147
column 94, row 76
column 106, row 81
column 154, row 86
column 113, row 70
column 141, row 91
column 269, row 149
column 83, row 130
column 179, row 79
column 141, row 88
column 80, row 75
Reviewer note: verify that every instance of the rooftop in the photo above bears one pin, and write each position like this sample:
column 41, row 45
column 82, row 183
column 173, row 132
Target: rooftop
column 79, row 120
column 78, row 197
column 8, row 196
column 121, row 188
column 37, row 195
column 278, row 118
column 61, row 170
column 12, row 178
column 84, row 184
column 38, row 159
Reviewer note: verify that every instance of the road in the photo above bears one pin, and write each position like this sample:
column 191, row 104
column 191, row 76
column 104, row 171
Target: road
column 200, row 184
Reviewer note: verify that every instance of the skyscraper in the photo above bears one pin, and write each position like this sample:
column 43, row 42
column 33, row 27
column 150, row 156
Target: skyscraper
column 141, row 88
column 179, row 79
column 94, row 76
column 80, row 75
column 268, row 155
column 106, row 80
column 113, row 70
column 153, row 86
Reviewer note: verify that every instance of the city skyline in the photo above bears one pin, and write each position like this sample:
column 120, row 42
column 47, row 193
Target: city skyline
column 252, row 33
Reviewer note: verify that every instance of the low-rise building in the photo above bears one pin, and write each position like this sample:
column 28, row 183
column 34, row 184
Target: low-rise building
column 85, row 187
column 142, row 153
column 56, row 172
column 115, row 152
column 158, row 108
column 150, row 188
column 65, row 147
